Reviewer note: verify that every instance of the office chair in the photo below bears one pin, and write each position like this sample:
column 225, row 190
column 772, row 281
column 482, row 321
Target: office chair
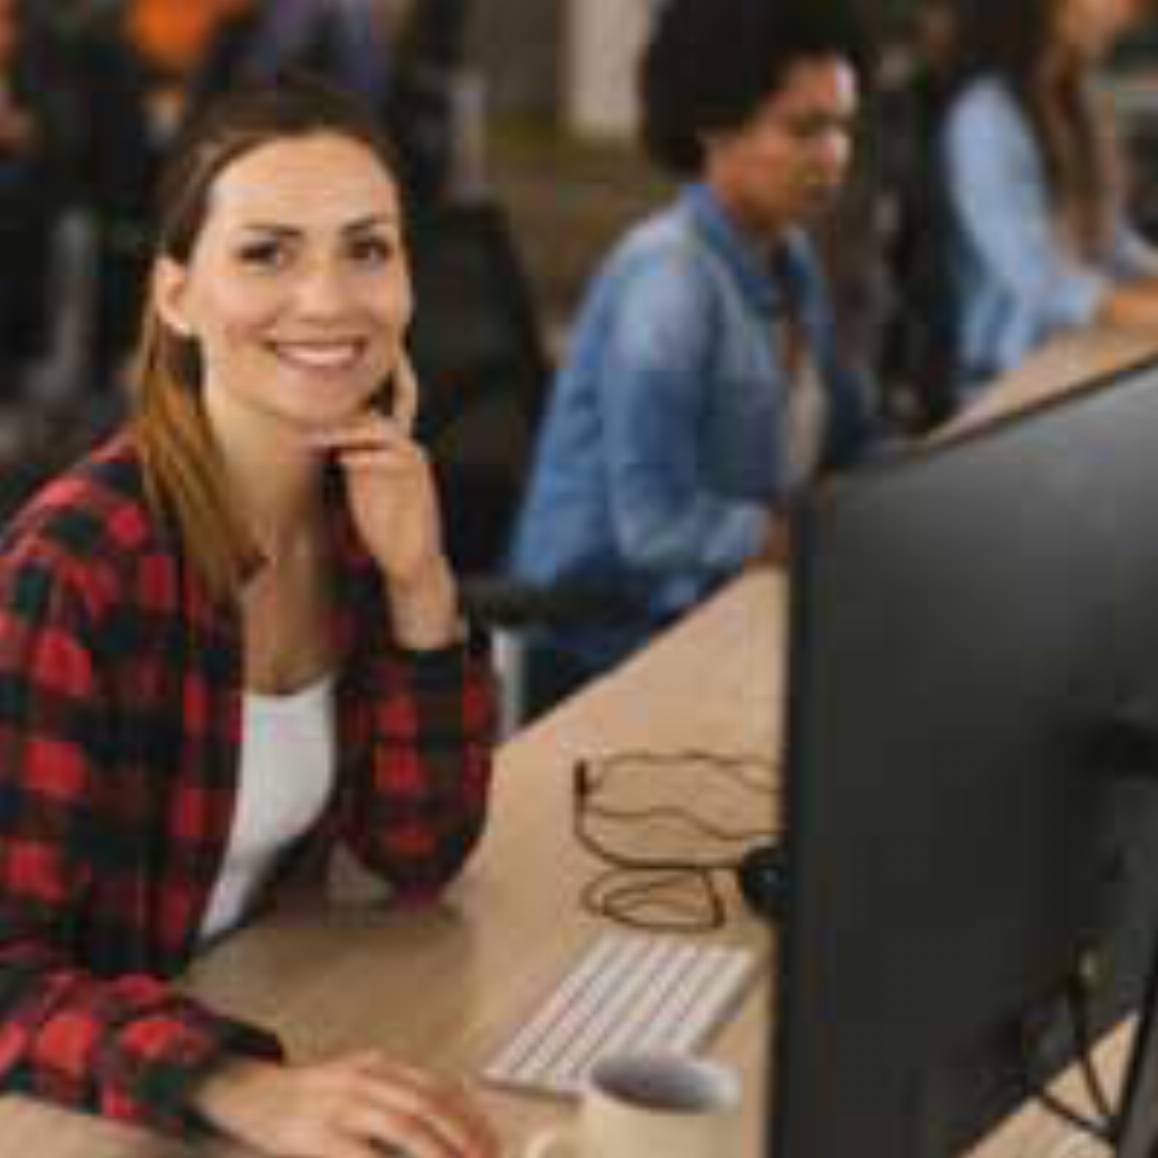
column 477, row 349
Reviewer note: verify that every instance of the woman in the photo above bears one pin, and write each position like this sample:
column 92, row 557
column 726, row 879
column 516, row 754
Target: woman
column 1033, row 186
column 228, row 639
column 702, row 386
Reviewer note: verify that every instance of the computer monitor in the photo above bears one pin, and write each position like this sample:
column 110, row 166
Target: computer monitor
column 971, row 775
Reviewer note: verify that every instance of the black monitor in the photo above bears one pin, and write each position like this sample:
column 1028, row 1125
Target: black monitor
column 971, row 827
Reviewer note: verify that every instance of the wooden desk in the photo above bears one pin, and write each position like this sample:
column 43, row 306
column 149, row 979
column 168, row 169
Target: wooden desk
column 1063, row 363
column 444, row 987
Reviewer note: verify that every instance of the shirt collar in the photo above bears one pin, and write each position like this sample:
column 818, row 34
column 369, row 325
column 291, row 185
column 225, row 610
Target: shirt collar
column 750, row 264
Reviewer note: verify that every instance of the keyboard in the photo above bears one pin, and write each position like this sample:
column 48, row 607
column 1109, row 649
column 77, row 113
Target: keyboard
column 628, row 993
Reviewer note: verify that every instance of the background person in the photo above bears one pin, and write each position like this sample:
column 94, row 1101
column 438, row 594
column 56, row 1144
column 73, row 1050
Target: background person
column 1038, row 242
column 702, row 386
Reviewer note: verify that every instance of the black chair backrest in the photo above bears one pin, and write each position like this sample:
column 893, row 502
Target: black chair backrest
column 475, row 330
column 477, row 349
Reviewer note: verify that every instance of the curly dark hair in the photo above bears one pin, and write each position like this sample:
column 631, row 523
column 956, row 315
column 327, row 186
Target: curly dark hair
column 711, row 63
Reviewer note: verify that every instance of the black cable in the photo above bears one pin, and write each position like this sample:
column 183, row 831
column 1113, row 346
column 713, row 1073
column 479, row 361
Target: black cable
column 618, row 896
column 1069, row 1115
column 633, row 883
column 1102, row 1127
column 1078, row 1000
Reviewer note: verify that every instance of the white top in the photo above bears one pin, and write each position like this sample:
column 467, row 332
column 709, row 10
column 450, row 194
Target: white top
column 287, row 773
column 804, row 424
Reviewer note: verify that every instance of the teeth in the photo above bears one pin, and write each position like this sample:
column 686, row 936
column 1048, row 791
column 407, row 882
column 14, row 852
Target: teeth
column 319, row 355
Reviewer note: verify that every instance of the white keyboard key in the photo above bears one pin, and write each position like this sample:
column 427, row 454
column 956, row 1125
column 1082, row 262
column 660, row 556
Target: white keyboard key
column 628, row 993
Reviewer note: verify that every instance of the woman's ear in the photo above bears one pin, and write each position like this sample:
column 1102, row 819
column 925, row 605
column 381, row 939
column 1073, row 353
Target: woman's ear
column 169, row 286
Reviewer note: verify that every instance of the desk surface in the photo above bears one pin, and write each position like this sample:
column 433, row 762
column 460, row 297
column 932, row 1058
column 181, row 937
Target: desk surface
column 444, row 987
column 1065, row 362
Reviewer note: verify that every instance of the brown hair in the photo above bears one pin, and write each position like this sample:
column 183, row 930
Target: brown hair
column 1012, row 39
column 182, row 465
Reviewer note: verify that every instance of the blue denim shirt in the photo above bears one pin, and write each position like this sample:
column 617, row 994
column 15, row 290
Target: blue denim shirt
column 1013, row 281
column 659, row 456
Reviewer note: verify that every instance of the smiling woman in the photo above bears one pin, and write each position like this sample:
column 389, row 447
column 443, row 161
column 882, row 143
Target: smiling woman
column 230, row 638
column 297, row 291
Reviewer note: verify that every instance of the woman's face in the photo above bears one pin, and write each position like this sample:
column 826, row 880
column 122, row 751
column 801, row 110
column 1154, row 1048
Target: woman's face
column 297, row 291
column 1087, row 29
column 788, row 162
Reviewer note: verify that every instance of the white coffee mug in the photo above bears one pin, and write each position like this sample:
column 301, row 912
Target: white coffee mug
column 651, row 1105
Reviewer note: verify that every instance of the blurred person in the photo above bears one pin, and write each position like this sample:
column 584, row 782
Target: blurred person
column 135, row 62
column 915, row 362
column 1038, row 241
column 229, row 638
column 37, row 149
column 702, row 386
column 132, row 108
column 343, row 40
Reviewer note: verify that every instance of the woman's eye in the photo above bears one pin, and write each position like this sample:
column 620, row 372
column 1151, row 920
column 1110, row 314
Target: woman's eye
column 371, row 250
column 263, row 254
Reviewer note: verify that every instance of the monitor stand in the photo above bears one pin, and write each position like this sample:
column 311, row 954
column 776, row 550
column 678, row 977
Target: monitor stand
column 1136, row 1132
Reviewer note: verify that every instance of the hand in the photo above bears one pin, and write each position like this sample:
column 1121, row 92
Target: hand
column 389, row 483
column 395, row 507
column 355, row 1106
column 776, row 550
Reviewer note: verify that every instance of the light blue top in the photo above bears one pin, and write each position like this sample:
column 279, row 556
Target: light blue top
column 660, row 454
column 1014, row 282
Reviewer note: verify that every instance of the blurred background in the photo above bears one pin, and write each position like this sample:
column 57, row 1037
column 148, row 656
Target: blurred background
column 516, row 122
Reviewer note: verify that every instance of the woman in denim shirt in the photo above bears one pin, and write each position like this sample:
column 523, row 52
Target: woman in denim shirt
column 702, row 385
column 1038, row 241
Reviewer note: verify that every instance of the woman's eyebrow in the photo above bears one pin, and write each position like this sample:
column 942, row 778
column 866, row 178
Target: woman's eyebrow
column 281, row 229
column 373, row 221
column 271, row 228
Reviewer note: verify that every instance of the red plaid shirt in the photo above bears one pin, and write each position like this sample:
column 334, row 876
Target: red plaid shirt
column 120, row 710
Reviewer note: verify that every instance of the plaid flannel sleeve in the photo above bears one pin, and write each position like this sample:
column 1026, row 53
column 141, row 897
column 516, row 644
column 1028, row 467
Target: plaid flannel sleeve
column 416, row 802
column 127, row 1046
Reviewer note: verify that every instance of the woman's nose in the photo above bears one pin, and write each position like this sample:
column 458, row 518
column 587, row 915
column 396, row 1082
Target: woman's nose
column 322, row 289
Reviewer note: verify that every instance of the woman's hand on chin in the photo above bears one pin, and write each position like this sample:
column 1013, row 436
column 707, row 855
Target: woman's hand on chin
column 394, row 502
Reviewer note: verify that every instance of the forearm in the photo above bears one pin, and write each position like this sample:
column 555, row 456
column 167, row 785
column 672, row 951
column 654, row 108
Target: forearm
column 128, row 1047
column 1131, row 305
column 425, row 612
column 417, row 800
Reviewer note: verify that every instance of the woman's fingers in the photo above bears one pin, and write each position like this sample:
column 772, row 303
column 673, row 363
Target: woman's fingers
column 365, row 431
column 408, row 1134
column 443, row 1113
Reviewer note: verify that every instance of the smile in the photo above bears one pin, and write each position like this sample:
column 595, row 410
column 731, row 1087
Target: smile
column 319, row 355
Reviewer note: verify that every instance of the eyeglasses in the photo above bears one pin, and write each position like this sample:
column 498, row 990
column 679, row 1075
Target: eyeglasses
column 657, row 889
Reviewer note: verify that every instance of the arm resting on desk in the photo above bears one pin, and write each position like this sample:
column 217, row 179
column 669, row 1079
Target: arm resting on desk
column 85, row 1017
column 129, row 1048
column 414, row 799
